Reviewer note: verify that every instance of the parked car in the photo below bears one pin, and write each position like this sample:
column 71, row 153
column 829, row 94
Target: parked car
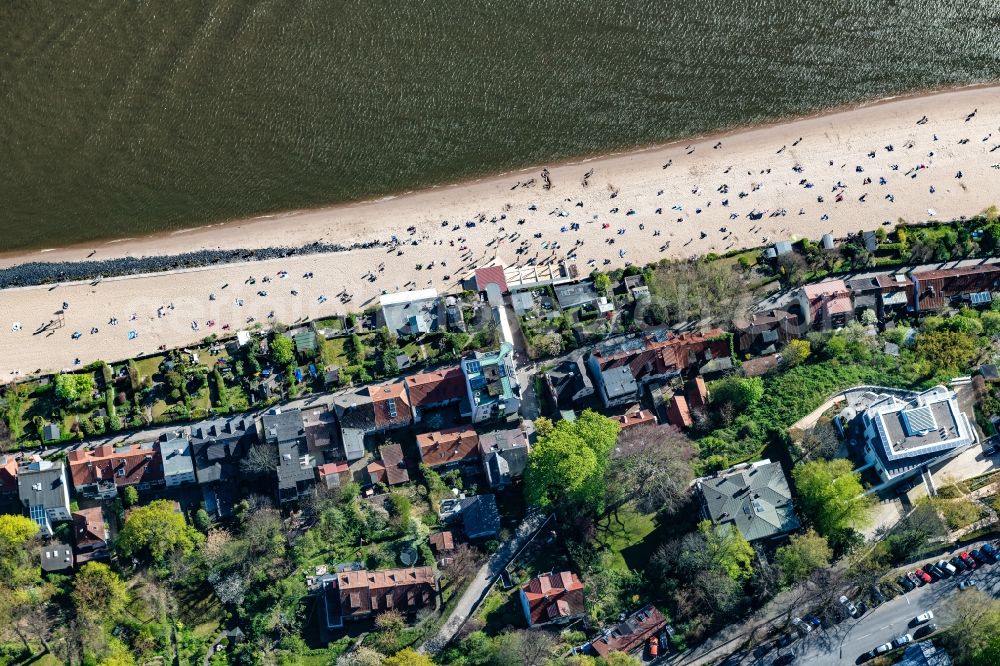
column 876, row 595
column 979, row 557
column 813, row 620
column 966, row 584
column 654, row 647
column 786, row 640
column 900, row 641
column 846, row 603
column 804, row 627
column 933, row 572
column 922, row 618
column 991, row 550
column 917, row 580
column 882, row 649
column 925, row 630
column 923, row 575
column 905, row 583
column 959, row 564
column 947, row 567
column 969, row 562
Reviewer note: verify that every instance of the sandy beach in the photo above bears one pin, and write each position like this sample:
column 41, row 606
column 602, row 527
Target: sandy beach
column 840, row 172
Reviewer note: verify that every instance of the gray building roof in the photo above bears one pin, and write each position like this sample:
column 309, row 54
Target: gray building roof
column 218, row 445
column 296, row 466
column 412, row 317
column 42, row 483
column 480, row 517
column 619, row 382
column 572, row 295
column 505, row 455
column 523, row 301
column 176, row 454
column 924, row 653
column 754, row 498
column 56, row 556
column 570, row 382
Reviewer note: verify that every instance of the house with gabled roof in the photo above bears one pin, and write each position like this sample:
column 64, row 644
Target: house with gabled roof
column 505, row 455
column 391, row 405
column 554, row 598
column 753, row 498
column 284, row 429
column 435, row 388
column 391, row 469
column 90, row 535
column 100, row 472
column 356, row 418
column 356, row 594
column 631, row 633
column 178, row 465
column 635, row 417
column 449, row 447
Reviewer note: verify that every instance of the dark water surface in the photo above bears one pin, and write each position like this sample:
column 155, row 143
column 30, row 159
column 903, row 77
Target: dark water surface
column 121, row 118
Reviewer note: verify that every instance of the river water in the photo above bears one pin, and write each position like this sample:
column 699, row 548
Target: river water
column 121, row 118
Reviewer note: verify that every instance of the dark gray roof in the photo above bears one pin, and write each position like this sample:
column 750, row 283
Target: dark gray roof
column 282, row 425
column 505, row 454
column 42, row 483
column 480, row 516
column 619, row 382
column 572, row 295
column 296, row 465
column 924, row 653
column 568, row 379
column 56, row 556
column 355, row 410
column 755, row 498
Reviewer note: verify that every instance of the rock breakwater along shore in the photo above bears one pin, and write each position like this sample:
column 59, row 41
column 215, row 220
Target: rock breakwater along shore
column 41, row 272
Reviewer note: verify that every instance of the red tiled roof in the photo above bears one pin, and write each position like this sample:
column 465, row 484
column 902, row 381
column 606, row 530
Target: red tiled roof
column 632, row 633
column 442, row 542
column 376, row 472
column 678, row 412
column 657, row 357
column 436, row 387
column 697, row 392
column 8, row 475
column 363, row 592
column 448, row 446
column 636, row 417
column 553, row 596
column 89, row 529
column 491, row 274
column 137, row 464
column 394, row 464
column 384, row 394
column 761, row 365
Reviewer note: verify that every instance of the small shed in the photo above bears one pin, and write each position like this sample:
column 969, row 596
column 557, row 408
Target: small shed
column 523, row 301
column 50, row 432
column 782, row 247
column 827, row 241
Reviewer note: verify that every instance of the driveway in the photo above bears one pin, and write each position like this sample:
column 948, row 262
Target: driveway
column 484, row 580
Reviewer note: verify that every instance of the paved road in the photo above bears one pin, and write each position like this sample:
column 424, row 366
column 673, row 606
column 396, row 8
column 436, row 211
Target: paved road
column 484, row 580
column 845, row 642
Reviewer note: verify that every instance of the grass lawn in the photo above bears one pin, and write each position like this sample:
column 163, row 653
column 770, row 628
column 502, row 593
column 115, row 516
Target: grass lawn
column 333, row 352
column 629, row 535
column 149, row 367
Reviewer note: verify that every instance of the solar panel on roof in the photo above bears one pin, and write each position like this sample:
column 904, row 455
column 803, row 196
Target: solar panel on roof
column 919, row 420
column 980, row 297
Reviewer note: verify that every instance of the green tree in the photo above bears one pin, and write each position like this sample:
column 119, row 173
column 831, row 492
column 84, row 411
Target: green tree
column 974, row 619
column 98, row 592
column 795, row 353
column 202, row 521
column 156, row 530
column 282, row 351
column 727, row 549
column 567, row 465
column 602, row 283
column 130, row 496
column 408, row 657
column 73, row 387
column 740, row 392
column 804, row 554
column 16, row 533
column 947, row 351
column 832, row 495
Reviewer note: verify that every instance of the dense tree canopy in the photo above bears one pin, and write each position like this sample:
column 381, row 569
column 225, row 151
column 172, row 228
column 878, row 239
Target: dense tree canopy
column 156, row 530
column 567, row 464
column 831, row 494
column 652, row 466
column 740, row 392
column 282, row 350
column 803, row 554
column 73, row 387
